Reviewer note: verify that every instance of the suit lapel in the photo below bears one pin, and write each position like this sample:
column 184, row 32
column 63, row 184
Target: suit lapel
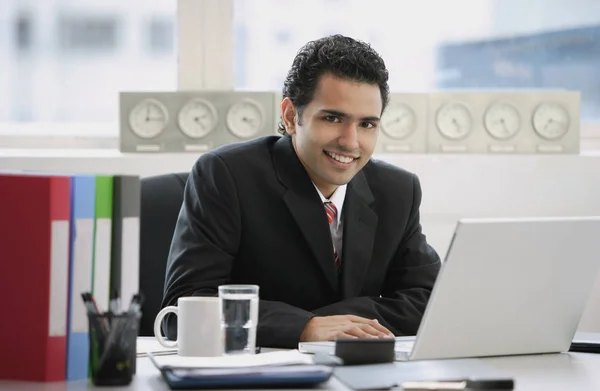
column 305, row 206
column 315, row 228
column 360, row 223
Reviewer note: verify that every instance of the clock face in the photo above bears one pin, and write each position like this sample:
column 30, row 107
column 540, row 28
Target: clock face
column 454, row 121
column 502, row 121
column 551, row 121
column 197, row 118
column 245, row 118
column 399, row 121
column 148, row 118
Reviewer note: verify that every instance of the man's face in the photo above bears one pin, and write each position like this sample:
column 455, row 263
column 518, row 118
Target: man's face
column 337, row 132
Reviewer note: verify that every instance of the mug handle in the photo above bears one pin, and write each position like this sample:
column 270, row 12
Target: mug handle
column 157, row 330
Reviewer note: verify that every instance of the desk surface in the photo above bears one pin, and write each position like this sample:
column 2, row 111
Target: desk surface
column 552, row 372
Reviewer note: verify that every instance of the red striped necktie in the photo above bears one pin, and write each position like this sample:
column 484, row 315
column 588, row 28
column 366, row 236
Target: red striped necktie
column 331, row 211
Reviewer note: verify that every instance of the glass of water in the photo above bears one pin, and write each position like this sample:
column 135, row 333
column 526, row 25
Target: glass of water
column 239, row 318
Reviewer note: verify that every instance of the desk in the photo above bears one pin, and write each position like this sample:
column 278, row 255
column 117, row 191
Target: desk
column 147, row 379
column 552, row 372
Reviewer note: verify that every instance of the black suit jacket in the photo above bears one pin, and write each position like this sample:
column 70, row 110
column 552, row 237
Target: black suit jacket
column 251, row 215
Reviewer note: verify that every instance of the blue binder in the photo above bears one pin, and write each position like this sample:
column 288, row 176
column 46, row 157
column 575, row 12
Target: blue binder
column 284, row 376
column 83, row 195
column 292, row 376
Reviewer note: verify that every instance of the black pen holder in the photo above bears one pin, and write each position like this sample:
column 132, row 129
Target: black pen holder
column 113, row 347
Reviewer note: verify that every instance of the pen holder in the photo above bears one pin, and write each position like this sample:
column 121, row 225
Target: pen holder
column 113, row 347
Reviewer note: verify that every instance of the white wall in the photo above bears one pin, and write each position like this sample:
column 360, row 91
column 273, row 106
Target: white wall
column 454, row 186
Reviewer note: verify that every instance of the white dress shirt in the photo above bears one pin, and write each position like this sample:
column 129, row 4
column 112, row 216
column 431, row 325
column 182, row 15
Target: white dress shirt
column 337, row 227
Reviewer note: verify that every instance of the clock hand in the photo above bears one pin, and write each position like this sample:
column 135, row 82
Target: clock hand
column 456, row 125
column 394, row 121
column 399, row 118
column 504, row 126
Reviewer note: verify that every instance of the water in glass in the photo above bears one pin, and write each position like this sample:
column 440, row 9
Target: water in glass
column 238, row 322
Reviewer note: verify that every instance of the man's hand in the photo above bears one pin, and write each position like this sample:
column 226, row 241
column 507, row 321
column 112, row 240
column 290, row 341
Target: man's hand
column 327, row 328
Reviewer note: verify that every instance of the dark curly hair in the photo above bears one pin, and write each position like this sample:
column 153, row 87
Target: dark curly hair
column 339, row 55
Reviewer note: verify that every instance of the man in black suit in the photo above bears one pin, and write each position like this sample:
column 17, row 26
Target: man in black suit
column 332, row 237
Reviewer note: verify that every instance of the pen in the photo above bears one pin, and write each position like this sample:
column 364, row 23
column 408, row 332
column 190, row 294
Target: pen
column 92, row 307
column 114, row 302
column 136, row 303
column 88, row 303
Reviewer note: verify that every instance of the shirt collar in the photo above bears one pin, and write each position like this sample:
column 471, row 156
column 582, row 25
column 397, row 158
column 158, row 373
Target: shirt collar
column 337, row 198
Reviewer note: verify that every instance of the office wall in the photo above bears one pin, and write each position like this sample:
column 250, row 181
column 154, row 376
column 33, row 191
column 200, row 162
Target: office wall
column 454, row 186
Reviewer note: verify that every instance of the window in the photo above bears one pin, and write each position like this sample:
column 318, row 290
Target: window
column 65, row 61
column 431, row 44
column 161, row 36
column 567, row 58
column 88, row 33
column 23, row 33
column 283, row 36
column 240, row 49
column 79, row 56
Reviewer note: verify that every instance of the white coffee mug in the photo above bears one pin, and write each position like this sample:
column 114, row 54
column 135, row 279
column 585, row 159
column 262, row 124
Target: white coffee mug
column 198, row 327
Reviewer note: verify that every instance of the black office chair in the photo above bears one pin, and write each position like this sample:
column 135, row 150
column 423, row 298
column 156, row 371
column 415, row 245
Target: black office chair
column 161, row 198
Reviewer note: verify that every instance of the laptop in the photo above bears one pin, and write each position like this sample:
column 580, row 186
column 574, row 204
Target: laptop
column 506, row 287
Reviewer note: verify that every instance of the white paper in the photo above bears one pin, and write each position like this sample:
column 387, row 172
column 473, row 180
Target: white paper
column 130, row 259
column 59, row 275
column 102, row 263
column 147, row 345
column 277, row 358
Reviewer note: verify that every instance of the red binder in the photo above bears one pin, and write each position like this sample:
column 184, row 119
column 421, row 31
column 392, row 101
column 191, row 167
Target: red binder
column 34, row 251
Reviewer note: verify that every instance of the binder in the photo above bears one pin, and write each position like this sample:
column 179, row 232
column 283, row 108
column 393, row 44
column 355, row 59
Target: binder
column 125, row 255
column 83, row 191
column 34, row 243
column 293, row 376
column 284, row 369
column 102, row 241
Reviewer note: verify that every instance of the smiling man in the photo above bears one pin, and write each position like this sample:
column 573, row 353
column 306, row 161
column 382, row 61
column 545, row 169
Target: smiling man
column 331, row 236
